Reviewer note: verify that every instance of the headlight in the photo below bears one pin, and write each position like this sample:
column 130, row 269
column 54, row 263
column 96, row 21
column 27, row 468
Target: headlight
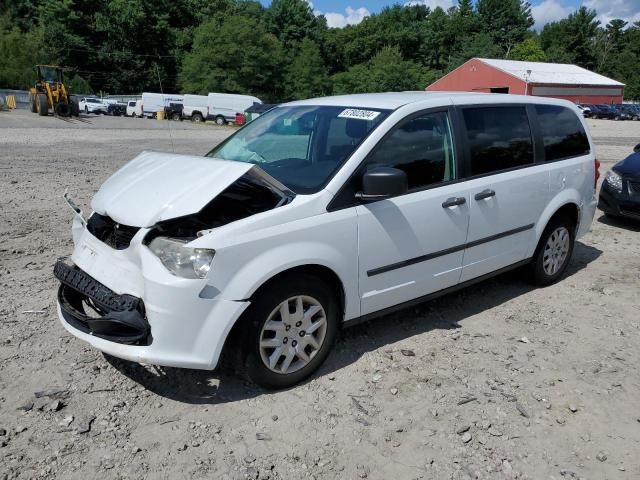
column 614, row 180
column 180, row 260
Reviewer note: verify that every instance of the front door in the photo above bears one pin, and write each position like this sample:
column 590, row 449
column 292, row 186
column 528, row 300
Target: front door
column 413, row 244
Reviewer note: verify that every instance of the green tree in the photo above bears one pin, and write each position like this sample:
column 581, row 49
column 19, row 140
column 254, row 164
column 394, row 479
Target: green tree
column 307, row 75
column 507, row 21
column 480, row 45
column 19, row 52
column 528, row 50
column 573, row 39
column 292, row 21
column 79, row 86
column 387, row 71
column 235, row 56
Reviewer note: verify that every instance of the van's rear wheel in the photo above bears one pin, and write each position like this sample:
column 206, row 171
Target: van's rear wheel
column 554, row 251
column 197, row 117
column 220, row 120
column 290, row 328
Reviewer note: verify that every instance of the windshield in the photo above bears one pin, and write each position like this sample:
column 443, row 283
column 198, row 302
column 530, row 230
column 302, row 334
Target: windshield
column 301, row 146
column 50, row 74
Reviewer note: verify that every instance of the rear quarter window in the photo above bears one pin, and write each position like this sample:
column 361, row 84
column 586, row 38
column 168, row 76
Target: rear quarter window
column 563, row 135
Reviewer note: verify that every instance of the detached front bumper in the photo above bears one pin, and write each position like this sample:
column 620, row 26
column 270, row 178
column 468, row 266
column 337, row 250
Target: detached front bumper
column 117, row 318
column 144, row 313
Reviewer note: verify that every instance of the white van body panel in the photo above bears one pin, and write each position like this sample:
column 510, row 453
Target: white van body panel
column 191, row 318
column 153, row 103
column 227, row 105
column 134, row 108
column 195, row 103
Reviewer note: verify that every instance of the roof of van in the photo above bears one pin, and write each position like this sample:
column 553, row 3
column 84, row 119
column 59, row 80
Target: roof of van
column 393, row 100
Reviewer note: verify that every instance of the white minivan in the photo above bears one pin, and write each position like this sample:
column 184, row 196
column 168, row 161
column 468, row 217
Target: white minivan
column 321, row 213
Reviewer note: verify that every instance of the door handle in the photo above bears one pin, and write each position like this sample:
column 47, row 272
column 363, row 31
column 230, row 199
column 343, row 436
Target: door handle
column 488, row 193
column 454, row 201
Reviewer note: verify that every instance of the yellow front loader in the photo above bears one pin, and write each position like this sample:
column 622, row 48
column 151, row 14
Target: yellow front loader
column 50, row 93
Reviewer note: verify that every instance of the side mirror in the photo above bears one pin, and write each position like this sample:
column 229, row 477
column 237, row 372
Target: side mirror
column 382, row 182
column 636, row 148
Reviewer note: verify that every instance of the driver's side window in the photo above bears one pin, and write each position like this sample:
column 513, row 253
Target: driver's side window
column 422, row 147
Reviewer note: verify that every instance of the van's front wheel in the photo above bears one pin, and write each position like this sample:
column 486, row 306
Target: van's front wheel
column 290, row 329
column 554, row 252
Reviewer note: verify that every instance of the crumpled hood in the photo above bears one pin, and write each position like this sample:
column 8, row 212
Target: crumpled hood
column 158, row 186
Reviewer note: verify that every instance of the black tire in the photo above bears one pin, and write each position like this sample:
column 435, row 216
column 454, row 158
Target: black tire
column 86, row 110
column 75, row 108
column 32, row 104
column 175, row 116
column 220, row 120
column 197, row 117
column 538, row 275
column 265, row 302
column 62, row 109
column 43, row 105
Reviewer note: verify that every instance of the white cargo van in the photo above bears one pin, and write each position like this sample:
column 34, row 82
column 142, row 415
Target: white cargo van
column 152, row 103
column 320, row 213
column 224, row 106
column 195, row 107
column 134, row 108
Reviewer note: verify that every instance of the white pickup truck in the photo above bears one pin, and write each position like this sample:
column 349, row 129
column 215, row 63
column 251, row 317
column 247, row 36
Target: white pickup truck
column 195, row 107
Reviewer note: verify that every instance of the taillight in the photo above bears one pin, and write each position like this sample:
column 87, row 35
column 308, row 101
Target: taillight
column 596, row 163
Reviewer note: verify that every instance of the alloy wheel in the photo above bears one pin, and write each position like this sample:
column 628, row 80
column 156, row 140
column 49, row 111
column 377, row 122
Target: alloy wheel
column 556, row 250
column 293, row 334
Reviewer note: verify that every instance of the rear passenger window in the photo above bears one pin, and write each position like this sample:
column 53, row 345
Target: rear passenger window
column 421, row 147
column 499, row 138
column 562, row 132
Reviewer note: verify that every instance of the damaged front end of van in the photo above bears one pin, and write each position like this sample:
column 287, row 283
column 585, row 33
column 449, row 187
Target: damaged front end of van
column 136, row 286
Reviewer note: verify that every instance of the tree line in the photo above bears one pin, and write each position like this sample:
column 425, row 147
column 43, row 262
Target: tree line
column 284, row 51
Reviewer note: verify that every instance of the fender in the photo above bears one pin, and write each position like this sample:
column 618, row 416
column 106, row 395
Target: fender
column 268, row 264
column 562, row 198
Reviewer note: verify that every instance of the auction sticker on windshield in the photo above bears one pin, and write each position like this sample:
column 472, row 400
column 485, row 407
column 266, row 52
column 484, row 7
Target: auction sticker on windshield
column 358, row 114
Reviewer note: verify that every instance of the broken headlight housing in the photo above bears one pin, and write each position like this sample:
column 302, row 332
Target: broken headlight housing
column 180, row 260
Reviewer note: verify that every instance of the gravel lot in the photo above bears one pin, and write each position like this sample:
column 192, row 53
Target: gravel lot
column 498, row 381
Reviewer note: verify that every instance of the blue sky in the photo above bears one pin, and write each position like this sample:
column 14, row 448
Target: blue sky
column 341, row 13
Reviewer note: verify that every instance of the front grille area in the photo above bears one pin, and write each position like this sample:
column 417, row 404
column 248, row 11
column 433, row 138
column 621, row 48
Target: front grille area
column 634, row 187
column 630, row 211
column 113, row 234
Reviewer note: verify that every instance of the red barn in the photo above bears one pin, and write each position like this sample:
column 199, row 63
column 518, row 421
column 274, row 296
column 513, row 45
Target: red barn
column 556, row 80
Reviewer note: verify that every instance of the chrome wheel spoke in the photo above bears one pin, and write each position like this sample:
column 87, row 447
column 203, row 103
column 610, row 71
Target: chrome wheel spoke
column 274, row 357
column 310, row 313
column 270, row 342
column 302, row 355
column 284, row 312
column 288, row 358
column 316, row 325
column 310, row 340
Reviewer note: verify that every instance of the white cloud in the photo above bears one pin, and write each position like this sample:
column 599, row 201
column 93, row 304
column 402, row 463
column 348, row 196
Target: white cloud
column 628, row 10
column 352, row 16
column 549, row 11
column 444, row 4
